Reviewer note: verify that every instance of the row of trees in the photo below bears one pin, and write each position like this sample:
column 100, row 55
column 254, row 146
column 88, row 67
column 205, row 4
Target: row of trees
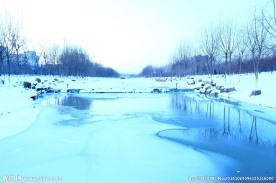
column 68, row 61
column 225, row 50
column 72, row 61
column 11, row 42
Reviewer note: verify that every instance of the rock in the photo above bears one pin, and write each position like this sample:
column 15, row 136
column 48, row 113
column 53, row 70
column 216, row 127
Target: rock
column 191, row 82
column 207, row 86
column 202, row 90
column 197, row 88
column 50, row 90
column 218, row 87
column 33, row 97
column 40, row 89
column 27, row 85
column 156, row 90
column 227, row 90
column 215, row 93
column 209, row 90
column 230, row 89
column 38, row 80
column 73, row 91
column 256, row 92
column 212, row 83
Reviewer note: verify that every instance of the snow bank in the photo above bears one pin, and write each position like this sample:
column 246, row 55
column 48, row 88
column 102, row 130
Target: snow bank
column 244, row 85
column 17, row 111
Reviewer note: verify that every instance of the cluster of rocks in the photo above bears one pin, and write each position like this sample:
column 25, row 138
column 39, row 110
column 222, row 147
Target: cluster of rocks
column 209, row 87
column 42, row 87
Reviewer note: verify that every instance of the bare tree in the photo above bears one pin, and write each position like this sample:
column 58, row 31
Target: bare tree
column 40, row 49
column 269, row 24
column 8, row 33
column 2, row 51
column 75, row 62
column 209, row 46
column 53, row 57
column 269, row 19
column 10, row 40
column 227, row 45
column 181, row 64
column 257, row 44
column 18, row 43
column 241, row 49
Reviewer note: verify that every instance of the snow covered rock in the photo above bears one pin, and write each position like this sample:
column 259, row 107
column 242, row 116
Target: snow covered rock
column 73, row 90
column 51, row 90
column 256, row 92
column 215, row 92
column 227, row 89
column 191, row 81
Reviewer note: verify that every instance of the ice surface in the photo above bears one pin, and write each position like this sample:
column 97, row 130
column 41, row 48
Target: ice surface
column 124, row 149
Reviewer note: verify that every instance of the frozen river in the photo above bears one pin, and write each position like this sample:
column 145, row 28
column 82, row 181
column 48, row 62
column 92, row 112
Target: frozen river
column 143, row 138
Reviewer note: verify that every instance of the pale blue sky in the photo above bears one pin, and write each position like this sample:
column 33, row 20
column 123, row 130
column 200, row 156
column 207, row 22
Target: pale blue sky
column 126, row 34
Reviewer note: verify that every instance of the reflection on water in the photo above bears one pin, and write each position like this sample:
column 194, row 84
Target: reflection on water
column 77, row 102
column 250, row 140
column 232, row 122
column 69, row 101
column 203, row 117
column 219, row 127
column 75, row 106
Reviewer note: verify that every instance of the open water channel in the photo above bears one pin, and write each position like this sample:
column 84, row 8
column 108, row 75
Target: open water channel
column 176, row 137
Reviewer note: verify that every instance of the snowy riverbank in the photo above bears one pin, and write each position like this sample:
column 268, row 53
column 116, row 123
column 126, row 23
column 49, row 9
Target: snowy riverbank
column 18, row 111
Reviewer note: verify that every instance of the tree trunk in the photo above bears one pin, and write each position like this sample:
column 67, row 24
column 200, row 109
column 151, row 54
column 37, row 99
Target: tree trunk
column 17, row 60
column 225, row 72
column 9, row 66
column 229, row 68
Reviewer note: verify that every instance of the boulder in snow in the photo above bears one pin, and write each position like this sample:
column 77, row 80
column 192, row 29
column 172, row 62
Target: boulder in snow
column 215, row 93
column 51, row 90
column 27, row 85
column 256, row 92
column 73, row 91
column 156, row 90
column 218, row 87
column 191, row 81
column 38, row 80
column 227, row 90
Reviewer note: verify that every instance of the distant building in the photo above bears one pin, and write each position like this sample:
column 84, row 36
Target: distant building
column 30, row 58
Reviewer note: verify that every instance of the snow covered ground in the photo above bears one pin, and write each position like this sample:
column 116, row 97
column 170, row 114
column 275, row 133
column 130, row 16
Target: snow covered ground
column 94, row 147
column 244, row 85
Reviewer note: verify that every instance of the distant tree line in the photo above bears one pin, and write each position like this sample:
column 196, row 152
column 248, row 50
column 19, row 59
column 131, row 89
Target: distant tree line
column 198, row 66
column 225, row 49
column 72, row 61
column 69, row 61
